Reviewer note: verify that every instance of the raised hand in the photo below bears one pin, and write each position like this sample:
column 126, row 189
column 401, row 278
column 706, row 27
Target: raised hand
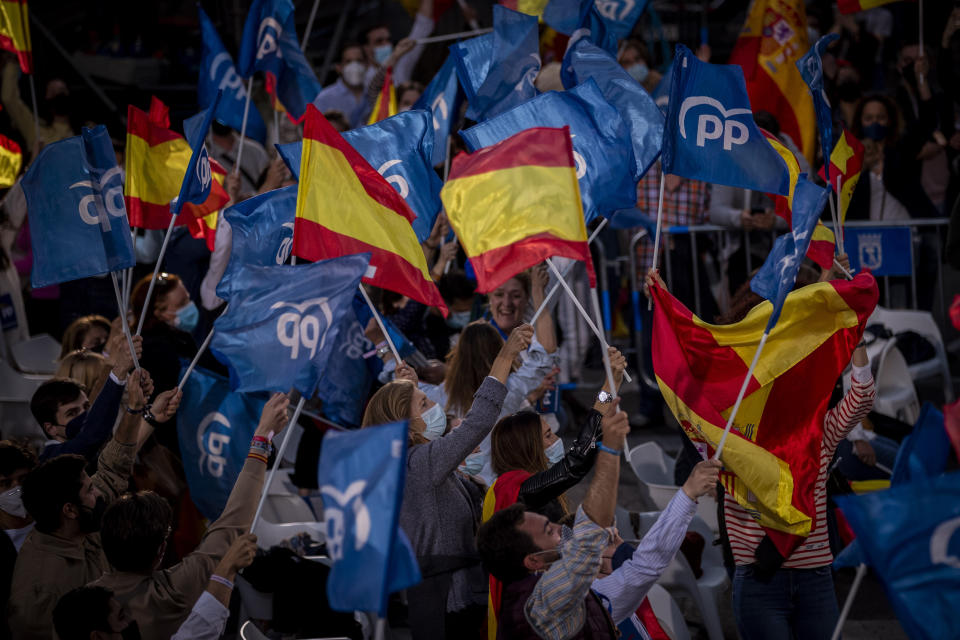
column 703, row 479
column 274, row 416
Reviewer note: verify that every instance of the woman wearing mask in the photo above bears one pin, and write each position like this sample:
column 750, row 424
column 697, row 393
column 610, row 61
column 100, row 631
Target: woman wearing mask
column 89, row 332
column 441, row 508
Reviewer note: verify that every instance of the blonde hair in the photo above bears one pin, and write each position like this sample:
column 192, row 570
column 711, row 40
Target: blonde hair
column 74, row 335
column 391, row 403
column 88, row 368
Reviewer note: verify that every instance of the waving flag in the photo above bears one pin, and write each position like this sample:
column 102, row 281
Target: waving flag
column 335, row 178
column 10, row 161
column 283, row 321
column 156, row 162
column 345, row 384
column 644, row 120
column 619, row 16
column 772, row 40
column 197, row 179
column 386, row 104
column 472, row 60
column 910, row 535
column 779, row 427
column 217, row 73
column 853, row 6
column 926, row 451
column 811, row 70
column 361, row 477
column 516, row 203
column 15, row 32
column 601, row 142
column 214, row 431
column 514, row 65
column 442, row 99
column 270, row 45
column 78, row 225
column 710, row 134
column 205, row 227
column 528, row 7
column 846, row 161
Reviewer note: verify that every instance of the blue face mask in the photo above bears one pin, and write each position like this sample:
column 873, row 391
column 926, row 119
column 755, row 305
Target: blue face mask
column 638, row 71
column 187, row 317
column 555, row 452
column 875, row 131
column 436, row 422
column 381, row 53
column 473, row 464
column 458, row 319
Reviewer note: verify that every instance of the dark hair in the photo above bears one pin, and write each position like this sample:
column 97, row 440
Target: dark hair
column 133, row 530
column 77, row 332
column 166, row 282
column 516, row 443
column 14, row 456
column 50, row 395
column 411, row 85
column 893, row 114
column 503, row 546
column 468, row 364
column 744, row 299
column 219, row 129
column 373, row 27
column 82, row 611
column 51, row 485
column 456, row 286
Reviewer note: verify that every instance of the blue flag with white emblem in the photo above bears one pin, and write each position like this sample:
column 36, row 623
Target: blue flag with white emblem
column 262, row 230
column 270, row 45
column 345, row 384
column 198, row 177
column 217, row 73
column 472, row 59
column 775, row 279
column 361, row 477
column 910, row 536
column 283, row 321
column 584, row 60
column 78, row 221
column 400, row 148
column 442, row 99
column 601, row 142
column 619, row 16
column 710, row 134
column 214, row 428
column 811, row 70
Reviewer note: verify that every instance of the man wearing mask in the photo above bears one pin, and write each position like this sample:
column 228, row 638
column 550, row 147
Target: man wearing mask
column 400, row 59
column 15, row 462
column 347, row 95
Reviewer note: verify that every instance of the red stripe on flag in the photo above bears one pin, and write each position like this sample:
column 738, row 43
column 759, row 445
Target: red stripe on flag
column 141, row 124
column 496, row 266
column 539, row 146
column 149, row 215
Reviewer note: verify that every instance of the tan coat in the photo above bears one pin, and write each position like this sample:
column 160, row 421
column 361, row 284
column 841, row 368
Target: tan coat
column 49, row 566
column 161, row 601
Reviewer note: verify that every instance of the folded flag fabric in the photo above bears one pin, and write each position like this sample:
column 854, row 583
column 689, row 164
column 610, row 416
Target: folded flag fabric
column 472, row 58
column 514, row 65
column 853, row 6
column 361, row 477
column 198, row 179
column 516, row 203
column 78, row 224
column 529, row 7
column 926, row 451
column 779, row 427
column 386, row 104
column 811, row 70
column 442, row 99
column 205, row 227
column 846, row 162
column 335, row 178
column 619, row 16
column 11, row 159
column 15, row 32
column 346, row 382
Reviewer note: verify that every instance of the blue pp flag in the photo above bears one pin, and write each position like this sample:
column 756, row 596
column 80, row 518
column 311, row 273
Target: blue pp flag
column 361, row 478
column 811, row 69
column 601, row 142
column 283, row 321
column 710, row 133
column 345, row 384
column 78, row 220
column 400, row 148
column 925, row 452
column 262, row 230
column 775, row 279
column 472, row 58
column 584, row 60
column 442, row 99
column 619, row 16
column 198, row 178
column 364, row 316
column 513, row 67
column 910, row 535
column 214, row 428
column 270, row 45
column 217, row 73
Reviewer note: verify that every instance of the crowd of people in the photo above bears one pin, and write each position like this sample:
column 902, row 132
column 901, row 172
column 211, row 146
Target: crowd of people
column 101, row 538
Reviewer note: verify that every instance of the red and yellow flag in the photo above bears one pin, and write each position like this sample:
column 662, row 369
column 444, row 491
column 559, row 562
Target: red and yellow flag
column 529, row 7
column 156, row 161
column 206, row 227
column 516, row 203
column 846, row 161
column 15, row 32
column 773, row 38
column 852, row 6
column 11, row 159
column 344, row 206
column 774, row 447
column 386, row 104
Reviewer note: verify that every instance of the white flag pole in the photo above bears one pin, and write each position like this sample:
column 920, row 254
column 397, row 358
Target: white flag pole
column 383, row 328
column 156, row 271
column 848, row 603
column 656, row 238
column 123, row 320
column 196, row 358
column 453, row 36
column 243, row 125
column 276, row 462
column 306, row 34
column 556, row 286
column 743, row 390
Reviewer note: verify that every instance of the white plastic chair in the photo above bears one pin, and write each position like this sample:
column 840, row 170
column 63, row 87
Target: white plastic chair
column 651, row 464
column 38, row 355
column 270, row 534
column 920, row 322
column 668, row 613
column 896, row 394
column 16, row 389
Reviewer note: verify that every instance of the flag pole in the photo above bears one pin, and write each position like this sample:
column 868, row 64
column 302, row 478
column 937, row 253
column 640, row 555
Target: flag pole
column 556, row 286
column 156, row 271
column 276, row 462
column 839, row 213
column 848, row 603
column 36, row 118
column 743, row 391
column 123, row 321
column 923, row 52
column 378, row 633
column 453, row 36
column 196, row 358
column 473, row 21
column 383, row 328
column 276, row 125
column 243, row 125
column 306, row 33
column 446, row 160
column 836, row 224
column 656, row 239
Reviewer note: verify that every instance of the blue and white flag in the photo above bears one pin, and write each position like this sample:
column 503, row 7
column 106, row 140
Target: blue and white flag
column 214, row 428
column 404, row 347
column 710, row 133
column 601, row 142
column 198, row 177
column 661, row 95
column 361, row 477
column 262, row 230
column 775, row 279
column 811, row 69
column 910, row 535
column 584, row 60
column 513, row 67
column 472, row 59
column 400, row 148
column 217, row 73
column 283, row 321
column 270, row 45
column 345, row 384
column 619, row 16
column 78, row 220
column 926, row 451
column 442, row 99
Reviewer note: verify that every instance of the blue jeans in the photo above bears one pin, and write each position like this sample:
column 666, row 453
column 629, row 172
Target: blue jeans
column 796, row 604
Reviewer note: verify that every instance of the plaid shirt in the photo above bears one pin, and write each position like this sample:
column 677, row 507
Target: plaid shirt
column 686, row 206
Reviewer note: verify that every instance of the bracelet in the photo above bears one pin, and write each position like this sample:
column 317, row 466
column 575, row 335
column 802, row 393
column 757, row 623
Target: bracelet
column 263, row 447
column 221, row 580
column 261, row 439
column 606, row 449
column 382, row 351
column 258, row 456
column 135, row 412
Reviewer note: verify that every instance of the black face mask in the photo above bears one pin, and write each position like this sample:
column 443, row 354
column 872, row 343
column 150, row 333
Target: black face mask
column 131, row 631
column 909, row 75
column 90, row 518
column 848, row 91
column 72, row 429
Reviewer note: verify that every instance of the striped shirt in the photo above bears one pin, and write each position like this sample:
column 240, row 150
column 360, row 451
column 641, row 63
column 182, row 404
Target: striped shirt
column 744, row 532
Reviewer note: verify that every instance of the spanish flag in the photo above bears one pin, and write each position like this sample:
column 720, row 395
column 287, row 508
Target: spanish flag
column 846, row 161
column 515, row 203
column 529, row 7
column 15, row 32
column 205, row 227
column 773, row 449
column 10, row 161
column 386, row 104
column 503, row 493
column 773, row 38
column 156, row 161
column 344, row 206
column 852, row 6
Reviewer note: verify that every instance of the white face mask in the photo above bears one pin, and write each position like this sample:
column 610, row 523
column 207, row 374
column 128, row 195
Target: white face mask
column 436, row 422
column 555, row 452
column 381, row 53
column 353, row 73
column 638, row 71
column 473, row 464
column 12, row 502
column 458, row 319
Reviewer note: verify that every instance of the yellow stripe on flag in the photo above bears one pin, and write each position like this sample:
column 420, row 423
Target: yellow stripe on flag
column 14, row 18
column 154, row 174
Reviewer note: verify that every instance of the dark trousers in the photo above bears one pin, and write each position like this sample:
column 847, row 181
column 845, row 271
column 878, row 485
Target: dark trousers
column 796, row 604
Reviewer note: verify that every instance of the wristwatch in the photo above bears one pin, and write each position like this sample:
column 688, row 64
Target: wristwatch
column 604, row 397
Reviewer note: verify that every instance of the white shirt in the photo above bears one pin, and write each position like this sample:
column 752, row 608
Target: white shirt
column 17, row 536
column 884, row 206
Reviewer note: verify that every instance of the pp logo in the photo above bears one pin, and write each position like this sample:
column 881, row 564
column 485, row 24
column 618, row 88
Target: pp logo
column 336, row 520
column 107, row 200
column 213, row 438
column 286, row 245
column 608, row 8
column 579, row 160
column 439, row 104
column 940, row 544
column 529, row 76
column 268, row 37
column 231, row 80
column 399, row 182
column 355, row 344
column 709, row 125
column 870, row 250
column 203, row 169
column 299, row 329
